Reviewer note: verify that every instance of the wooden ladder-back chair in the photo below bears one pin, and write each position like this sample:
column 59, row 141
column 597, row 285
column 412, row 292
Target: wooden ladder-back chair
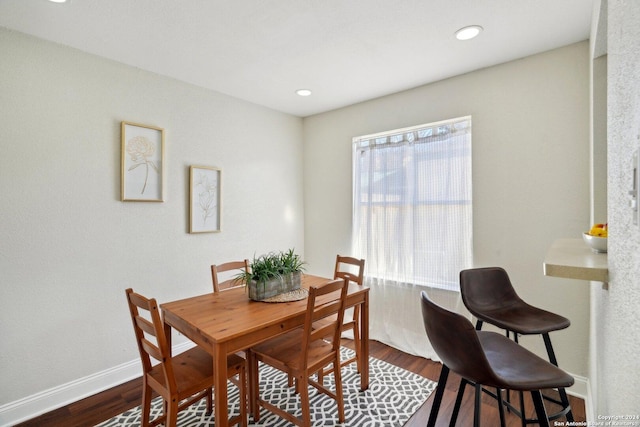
column 304, row 351
column 188, row 375
column 222, row 268
column 228, row 282
column 485, row 359
column 351, row 269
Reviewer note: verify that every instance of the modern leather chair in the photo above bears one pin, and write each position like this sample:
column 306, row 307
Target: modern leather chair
column 489, row 296
column 485, row 359
column 304, row 351
column 222, row 268
column 188, row 375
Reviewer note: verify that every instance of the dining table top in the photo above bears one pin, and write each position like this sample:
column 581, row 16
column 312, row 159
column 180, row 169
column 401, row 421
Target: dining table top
column 230, row 316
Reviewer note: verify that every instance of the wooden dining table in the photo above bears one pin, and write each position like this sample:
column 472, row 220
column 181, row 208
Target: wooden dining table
column 228, row 322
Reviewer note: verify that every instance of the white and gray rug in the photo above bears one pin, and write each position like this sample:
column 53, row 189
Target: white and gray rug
column 394, row 394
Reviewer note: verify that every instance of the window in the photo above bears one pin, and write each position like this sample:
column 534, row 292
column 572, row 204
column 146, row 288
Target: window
column 412, row 213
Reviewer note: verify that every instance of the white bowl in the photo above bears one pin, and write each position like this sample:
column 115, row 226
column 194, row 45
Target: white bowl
column 597, row 244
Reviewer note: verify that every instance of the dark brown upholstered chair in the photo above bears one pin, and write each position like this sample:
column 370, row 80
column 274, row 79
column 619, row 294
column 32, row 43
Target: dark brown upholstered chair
column 188, row 375
column 227, row 266
column 489, row 295
column 486, row 359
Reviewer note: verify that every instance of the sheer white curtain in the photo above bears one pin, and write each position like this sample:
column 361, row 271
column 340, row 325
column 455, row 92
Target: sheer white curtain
column 412, row 223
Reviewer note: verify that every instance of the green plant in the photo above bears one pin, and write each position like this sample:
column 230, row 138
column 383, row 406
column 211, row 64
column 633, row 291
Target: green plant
column 291, row 262
column 272, row 265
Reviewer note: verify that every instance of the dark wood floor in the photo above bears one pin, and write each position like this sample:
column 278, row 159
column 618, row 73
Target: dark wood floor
column 102, row 406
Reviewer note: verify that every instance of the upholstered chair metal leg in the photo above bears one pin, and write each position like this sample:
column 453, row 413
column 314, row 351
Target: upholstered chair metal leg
column 541, row 413
column 437, row 399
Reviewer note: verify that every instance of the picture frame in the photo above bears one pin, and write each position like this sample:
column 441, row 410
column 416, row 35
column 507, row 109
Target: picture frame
column 142, row 154
column 205, row 199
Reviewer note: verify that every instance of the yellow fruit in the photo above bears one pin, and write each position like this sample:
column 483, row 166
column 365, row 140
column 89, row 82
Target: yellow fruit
column 599, row 230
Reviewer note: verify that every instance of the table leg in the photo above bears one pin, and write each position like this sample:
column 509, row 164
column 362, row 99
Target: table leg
column 220, row 385
column 252, row 393
column 364, row 343
column 167, row 335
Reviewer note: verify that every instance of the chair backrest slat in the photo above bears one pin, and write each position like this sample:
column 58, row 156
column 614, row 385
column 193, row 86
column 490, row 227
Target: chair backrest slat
column 153, row 328
column 326, row 301
column 323, row 331
column 349, row 268
column 221, row 285
column 145, row 325
column 151, row 349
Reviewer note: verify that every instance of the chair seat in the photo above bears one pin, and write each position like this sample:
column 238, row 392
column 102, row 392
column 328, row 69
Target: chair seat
column 193, row 369
column 522, row 318
column 286, row 348
column 346, row 325
column 531, row 371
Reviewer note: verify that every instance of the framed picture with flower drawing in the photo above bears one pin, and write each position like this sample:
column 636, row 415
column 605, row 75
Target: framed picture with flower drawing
column 204, row 199
column 142, row 163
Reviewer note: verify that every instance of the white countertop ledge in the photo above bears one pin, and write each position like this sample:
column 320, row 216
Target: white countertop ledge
column 573, row 259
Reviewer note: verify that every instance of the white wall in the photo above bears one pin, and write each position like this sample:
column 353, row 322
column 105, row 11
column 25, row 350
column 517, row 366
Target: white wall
column 615, row 364
column 69, row 247
column 530, row 172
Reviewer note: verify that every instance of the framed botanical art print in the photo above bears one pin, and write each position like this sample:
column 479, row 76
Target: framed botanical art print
column 204, row 199
column 142, row 163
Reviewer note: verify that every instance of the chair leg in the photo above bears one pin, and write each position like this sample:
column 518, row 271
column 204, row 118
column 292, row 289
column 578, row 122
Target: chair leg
column 553, row 360
column 477, row 403
column 242, row 390
column 500, row 406
column 437, row 399
column 337, row 375
column 254, row 390
column 356, row 336
column 456, row 407
column 172, row 413
column 146, row 405
column 209, row 401
column 523, row 417
column 549, row 347
column 541, row 413
column 303, row 391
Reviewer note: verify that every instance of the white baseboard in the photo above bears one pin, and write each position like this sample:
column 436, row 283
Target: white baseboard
column 56, row 397
column 580, row 388
column 589, row 408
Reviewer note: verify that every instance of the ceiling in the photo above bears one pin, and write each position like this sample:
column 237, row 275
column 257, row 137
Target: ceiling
column 345, row 51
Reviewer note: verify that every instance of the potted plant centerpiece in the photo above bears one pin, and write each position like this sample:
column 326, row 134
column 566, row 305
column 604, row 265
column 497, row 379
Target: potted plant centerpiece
column 273, row 274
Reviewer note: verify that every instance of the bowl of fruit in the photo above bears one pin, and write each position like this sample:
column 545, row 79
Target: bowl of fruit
column 596, row 238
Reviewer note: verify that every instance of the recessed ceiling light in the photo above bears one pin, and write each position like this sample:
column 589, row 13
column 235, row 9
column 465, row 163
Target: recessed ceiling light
column 303, row 92
column 469, row 32
column 58, row 1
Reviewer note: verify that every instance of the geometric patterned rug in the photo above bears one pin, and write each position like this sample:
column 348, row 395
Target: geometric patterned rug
column 394, row 394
